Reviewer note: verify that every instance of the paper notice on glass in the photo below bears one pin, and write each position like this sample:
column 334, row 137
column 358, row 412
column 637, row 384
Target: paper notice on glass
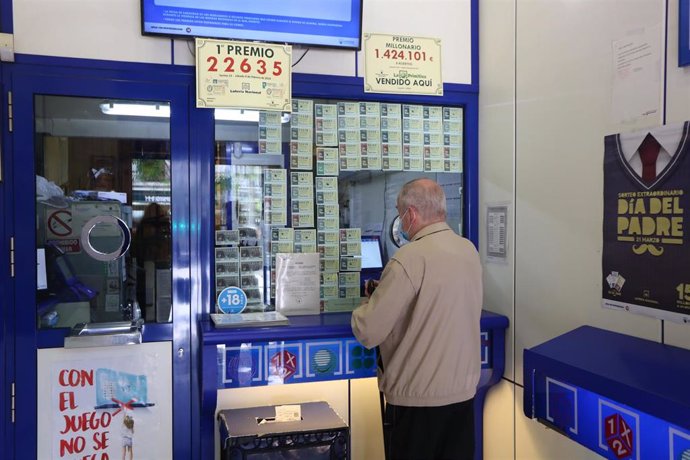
column 41, row 278
column 637, row 83
column 297, row 284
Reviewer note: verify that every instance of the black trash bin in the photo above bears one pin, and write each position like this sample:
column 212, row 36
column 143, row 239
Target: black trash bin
column 321, row 434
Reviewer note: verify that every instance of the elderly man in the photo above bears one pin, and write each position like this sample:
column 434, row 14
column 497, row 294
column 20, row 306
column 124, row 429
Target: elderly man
column 424, row 316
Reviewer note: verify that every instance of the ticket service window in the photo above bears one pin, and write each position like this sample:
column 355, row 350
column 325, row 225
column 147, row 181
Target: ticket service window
column 321, row 180
column 103, row 213
column 303, row 182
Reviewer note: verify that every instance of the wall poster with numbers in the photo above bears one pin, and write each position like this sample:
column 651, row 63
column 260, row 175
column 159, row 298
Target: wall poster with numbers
column 243, row 75
column 402, row 65
column 646, row 253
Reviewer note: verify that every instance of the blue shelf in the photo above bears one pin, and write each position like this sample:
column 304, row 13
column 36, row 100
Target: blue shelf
column 617, row 395
column 300, row 327
column 308, row 326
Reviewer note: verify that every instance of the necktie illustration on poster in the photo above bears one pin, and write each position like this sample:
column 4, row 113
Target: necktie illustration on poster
column 649, row 152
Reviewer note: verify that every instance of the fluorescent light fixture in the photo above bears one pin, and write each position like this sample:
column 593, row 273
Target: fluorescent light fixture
column 136, row 110
column 163, row 111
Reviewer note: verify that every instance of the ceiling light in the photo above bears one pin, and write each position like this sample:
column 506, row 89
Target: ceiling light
column 236, row 115
column 136, row 110
column 163, row 111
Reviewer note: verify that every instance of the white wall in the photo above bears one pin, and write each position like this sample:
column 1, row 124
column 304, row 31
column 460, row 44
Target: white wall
column 110, row 30
column 545, row 106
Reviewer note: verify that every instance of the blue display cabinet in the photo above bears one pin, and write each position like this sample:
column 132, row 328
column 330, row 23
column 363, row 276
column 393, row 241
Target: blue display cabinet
column 620, row 396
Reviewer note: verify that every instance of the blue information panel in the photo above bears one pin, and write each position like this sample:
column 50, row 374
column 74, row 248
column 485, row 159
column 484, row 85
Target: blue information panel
column 268, row 363
column 485, row 349
column 611, row 429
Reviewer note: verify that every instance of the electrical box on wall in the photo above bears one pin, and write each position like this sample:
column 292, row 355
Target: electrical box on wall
column 6, row 47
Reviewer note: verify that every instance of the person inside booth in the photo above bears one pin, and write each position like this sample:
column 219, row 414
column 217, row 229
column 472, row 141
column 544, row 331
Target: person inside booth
column 151, row 249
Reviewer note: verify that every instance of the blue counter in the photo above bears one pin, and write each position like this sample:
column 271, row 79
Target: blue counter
column 311, row 348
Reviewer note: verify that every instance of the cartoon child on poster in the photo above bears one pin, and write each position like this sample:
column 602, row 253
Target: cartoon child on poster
column 127, row 436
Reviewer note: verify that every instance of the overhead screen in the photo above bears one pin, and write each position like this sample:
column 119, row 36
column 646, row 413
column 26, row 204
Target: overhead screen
column 328, row 23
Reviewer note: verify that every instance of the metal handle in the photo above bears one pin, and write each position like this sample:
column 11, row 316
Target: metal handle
column 104, row 220
column 104, row 334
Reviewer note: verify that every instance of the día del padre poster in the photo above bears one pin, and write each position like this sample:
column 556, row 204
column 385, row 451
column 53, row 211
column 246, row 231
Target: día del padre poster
column 646, row 255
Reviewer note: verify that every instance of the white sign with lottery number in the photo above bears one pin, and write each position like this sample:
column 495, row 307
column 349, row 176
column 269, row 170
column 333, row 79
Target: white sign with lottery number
column 243, row 75
column 402, row 65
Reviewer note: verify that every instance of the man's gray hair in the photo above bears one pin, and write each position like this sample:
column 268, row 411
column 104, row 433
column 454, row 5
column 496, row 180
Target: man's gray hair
column 426, row 196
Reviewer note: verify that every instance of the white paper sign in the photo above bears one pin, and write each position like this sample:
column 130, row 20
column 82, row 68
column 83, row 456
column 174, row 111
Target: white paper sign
column 402, row 65
column 297, row 284
column 497, row 233
column 289, row 413
column 637, row 89
column 41, row 278
column 243, row 75
column 95, row 402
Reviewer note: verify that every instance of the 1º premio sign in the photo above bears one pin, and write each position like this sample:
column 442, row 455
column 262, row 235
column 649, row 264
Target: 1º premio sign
column 402, row 65
column 243, row 75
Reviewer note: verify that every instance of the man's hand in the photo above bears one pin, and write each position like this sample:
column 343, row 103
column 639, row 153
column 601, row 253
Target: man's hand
column 370, row 286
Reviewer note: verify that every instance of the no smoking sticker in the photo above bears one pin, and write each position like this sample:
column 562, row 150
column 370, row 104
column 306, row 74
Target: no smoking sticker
column 59, row 223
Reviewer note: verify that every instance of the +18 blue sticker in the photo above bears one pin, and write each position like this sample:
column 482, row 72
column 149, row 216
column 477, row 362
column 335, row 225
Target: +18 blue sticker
column 232, row 300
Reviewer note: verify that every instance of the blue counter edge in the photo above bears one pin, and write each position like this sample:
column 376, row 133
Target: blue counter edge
column 648, row 376
column 308, row 327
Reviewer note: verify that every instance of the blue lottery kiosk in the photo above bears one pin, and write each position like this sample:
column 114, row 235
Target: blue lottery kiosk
column 123, row 228
column 321, row 347
column 173, row 217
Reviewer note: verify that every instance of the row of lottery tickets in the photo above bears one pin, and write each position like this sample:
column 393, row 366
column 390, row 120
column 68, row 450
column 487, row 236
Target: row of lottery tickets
column 353, row 136
column 243, row 266
column 339, row 257
column 240, row 265
column 313, row 200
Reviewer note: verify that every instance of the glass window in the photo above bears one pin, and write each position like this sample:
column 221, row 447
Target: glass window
column 103, row 210
column 293, row 182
